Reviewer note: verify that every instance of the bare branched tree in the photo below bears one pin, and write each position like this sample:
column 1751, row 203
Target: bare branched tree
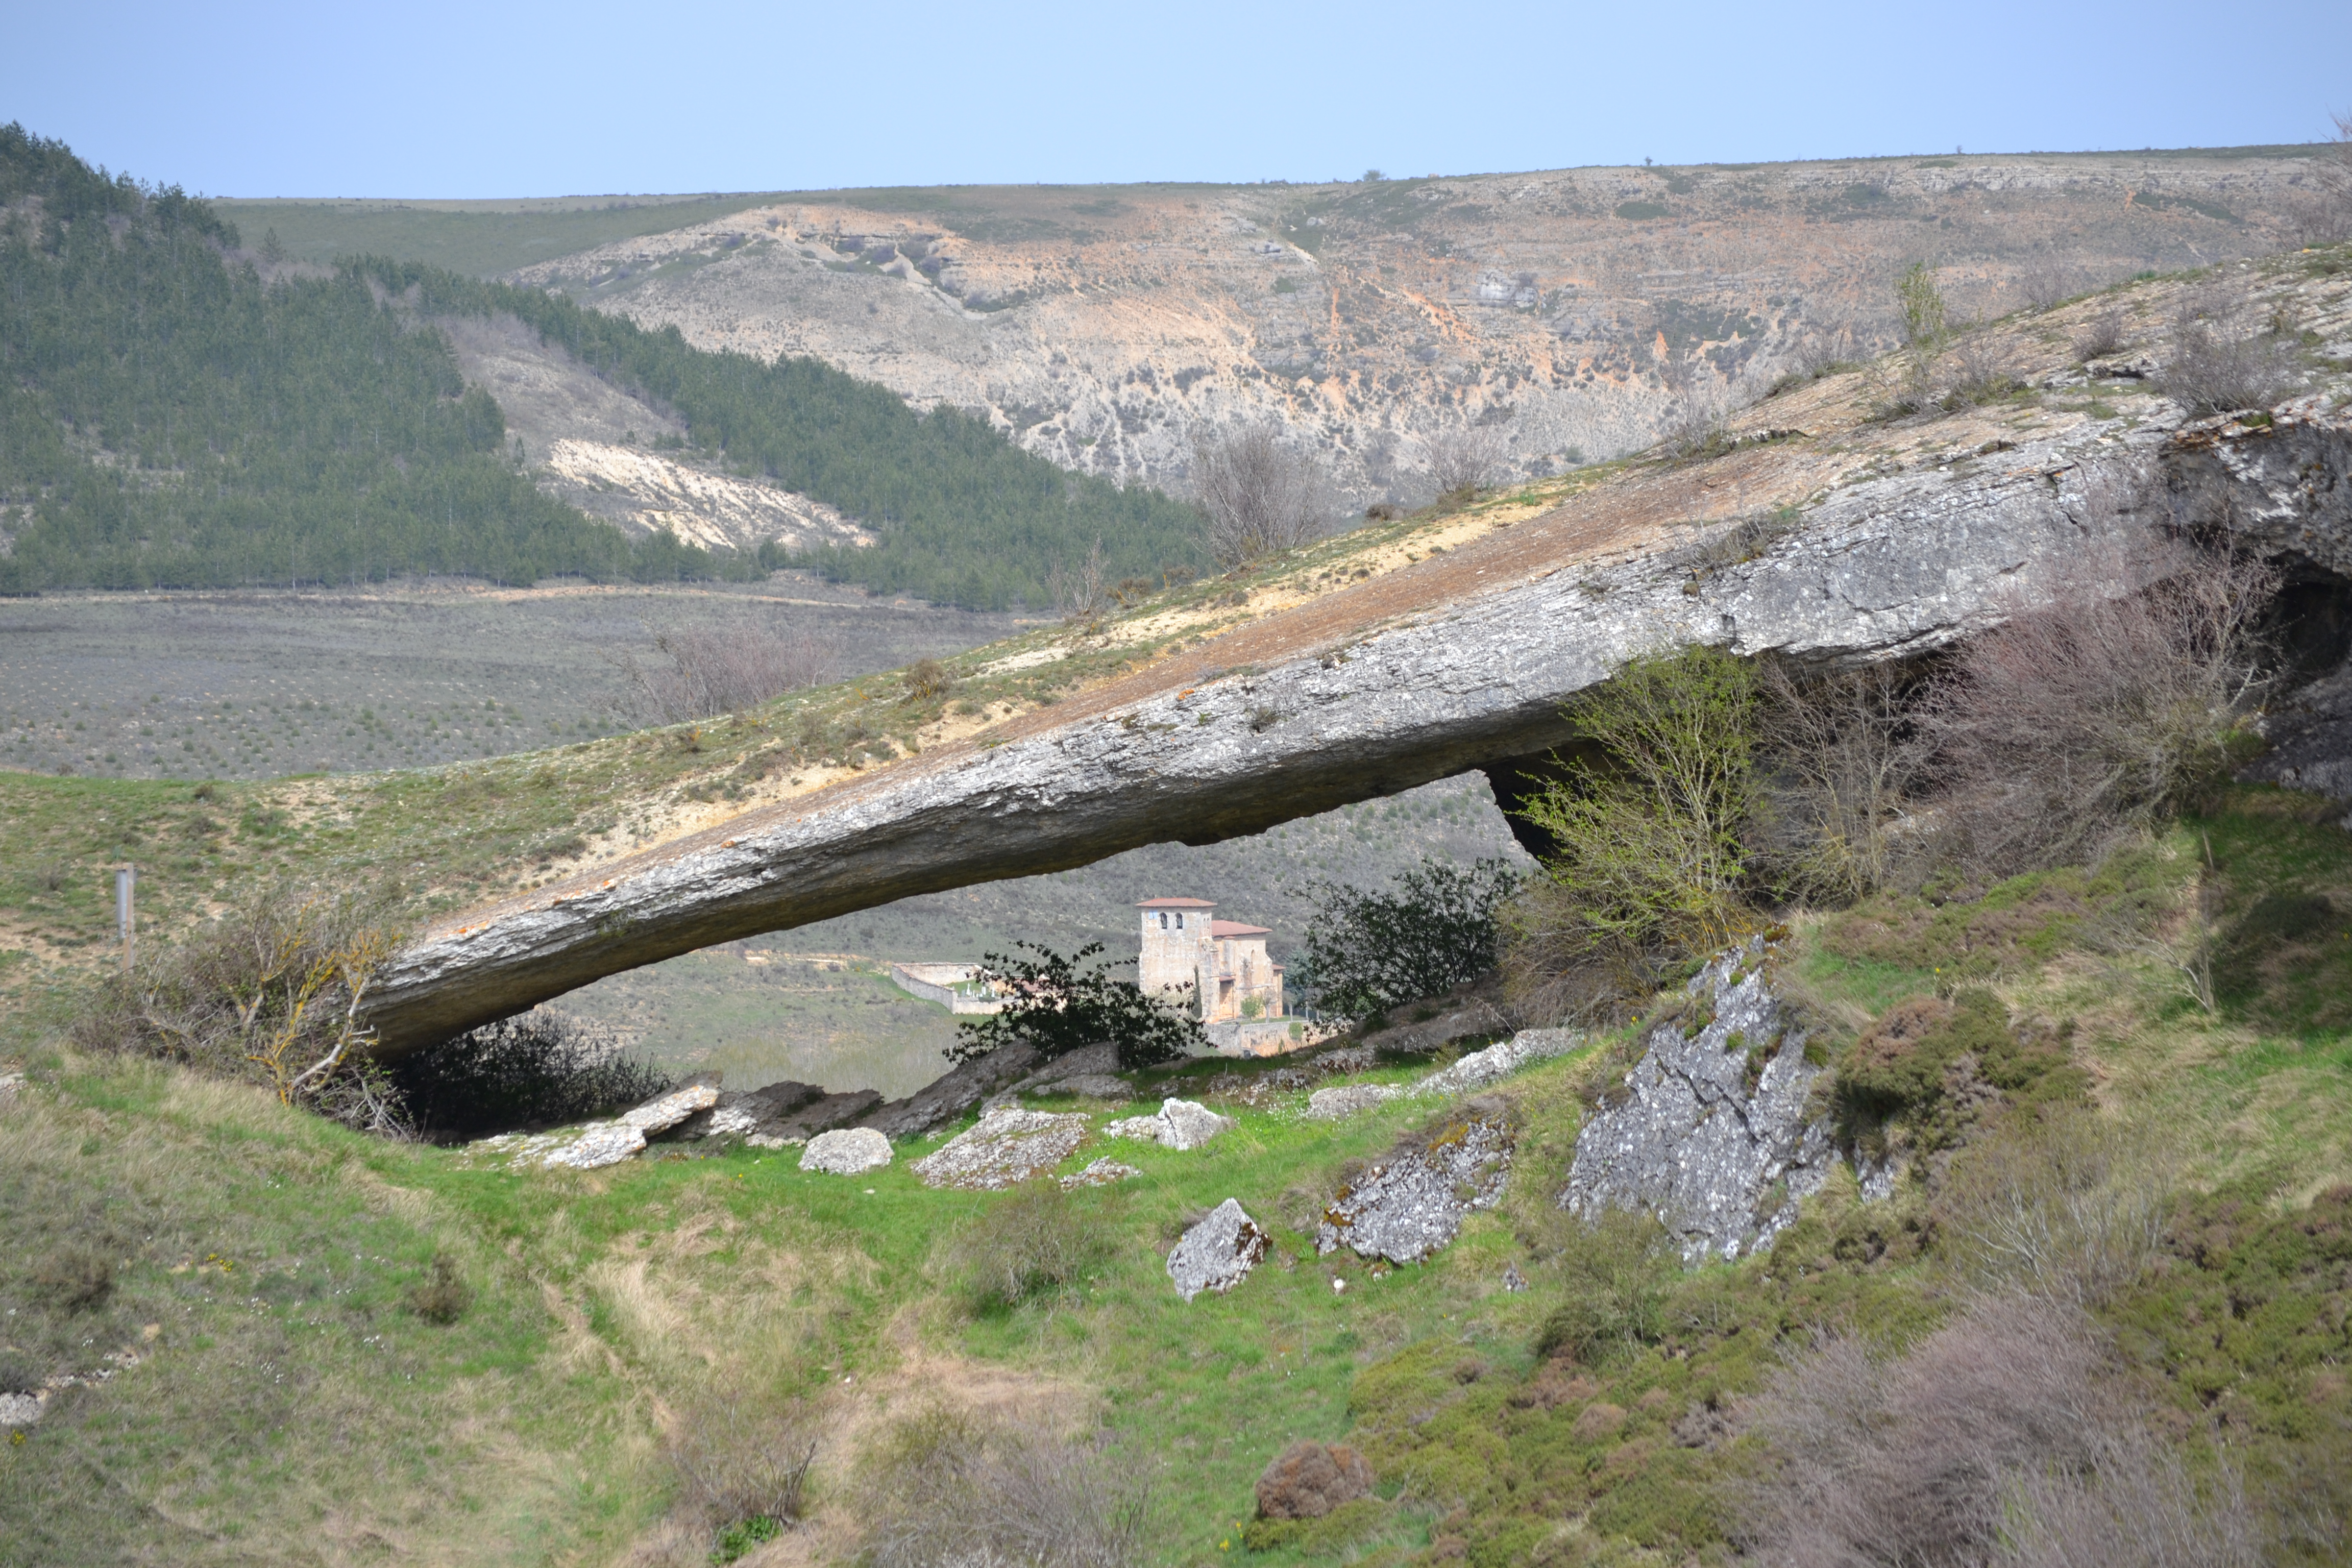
column 2071, row 1208
column 1081, row 593
column 2220, row 362
column 2324, row 215
column 722, row 670
column 1843, row 759
column 1260, row 492
column 2086, row 719
column 272, row 992
column 1464, row 459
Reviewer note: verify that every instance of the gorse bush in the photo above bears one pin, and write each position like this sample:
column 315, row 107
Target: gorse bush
column 1433, row 930
column 537, row 1070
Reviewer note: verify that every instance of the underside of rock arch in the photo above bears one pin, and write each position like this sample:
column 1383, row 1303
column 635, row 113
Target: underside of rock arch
column 1813, row 547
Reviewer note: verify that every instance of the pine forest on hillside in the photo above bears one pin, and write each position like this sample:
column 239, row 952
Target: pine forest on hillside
column 170, row 419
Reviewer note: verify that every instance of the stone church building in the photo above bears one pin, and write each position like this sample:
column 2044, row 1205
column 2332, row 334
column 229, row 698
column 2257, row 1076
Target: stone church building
column 1223, row 965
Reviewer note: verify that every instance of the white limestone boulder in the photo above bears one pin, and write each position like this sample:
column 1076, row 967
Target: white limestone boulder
column 846, row 1151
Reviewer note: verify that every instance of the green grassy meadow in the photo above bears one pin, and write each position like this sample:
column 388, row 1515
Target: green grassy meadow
column 274, row 1394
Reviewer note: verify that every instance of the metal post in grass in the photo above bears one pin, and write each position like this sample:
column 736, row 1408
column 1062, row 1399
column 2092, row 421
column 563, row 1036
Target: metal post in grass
column 126, row 881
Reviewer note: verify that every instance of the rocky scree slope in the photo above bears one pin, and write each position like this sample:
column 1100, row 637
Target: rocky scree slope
column 1828, row 532
column 1570, row 311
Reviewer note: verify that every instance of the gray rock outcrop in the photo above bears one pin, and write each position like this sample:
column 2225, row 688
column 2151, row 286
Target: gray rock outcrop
column 1100, row 1173
column 1500, row 1061
column 846, row 1151
column 1347, row 1099
column 1715, row 1130
column 600, row 1143
column 952, row 1094
column 664, row 1111
column 1001, row 1149
column 1218, row 1252
column 1413, row 1201
column 1177, row 1125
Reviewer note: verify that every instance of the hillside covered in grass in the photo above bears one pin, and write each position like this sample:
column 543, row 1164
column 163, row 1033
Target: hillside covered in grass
column 533, row 1357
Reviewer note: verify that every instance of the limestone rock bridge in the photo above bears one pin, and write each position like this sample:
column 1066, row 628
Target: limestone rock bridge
column 1459, row 661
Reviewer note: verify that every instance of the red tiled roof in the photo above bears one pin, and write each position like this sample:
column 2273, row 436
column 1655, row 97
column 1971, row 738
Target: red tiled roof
column 1174, row 904
column 1235, row 928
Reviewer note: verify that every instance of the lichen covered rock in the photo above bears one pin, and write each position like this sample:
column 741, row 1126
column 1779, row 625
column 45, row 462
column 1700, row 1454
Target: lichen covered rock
column 1178, row 1124
column 1218, row 1252
column 846, row 1151
column 1001, row 1148
column 1716, row 1132
column 1413, row 1201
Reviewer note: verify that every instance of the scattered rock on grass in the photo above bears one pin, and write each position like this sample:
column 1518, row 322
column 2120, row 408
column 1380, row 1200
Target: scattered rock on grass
column 1001, row 1149
column 1101, row 1173
column 846, row 1151
column 1499, row 1060
column 1218, row 1252
column 1179, row 1124
column 1308, row 1481
column 664, row 1111
column 1331, row 1104
column 600, row 1143
column 19, row 1409
column 1413, row 1201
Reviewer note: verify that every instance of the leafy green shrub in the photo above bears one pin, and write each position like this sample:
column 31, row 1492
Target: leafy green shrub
column 1030, row 1243
column 538, row 1069
column 1366, row 953
column 1056, row 1008
column 1651, row 859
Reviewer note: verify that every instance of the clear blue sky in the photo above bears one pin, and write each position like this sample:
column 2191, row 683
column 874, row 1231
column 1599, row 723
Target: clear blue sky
column 430, row 98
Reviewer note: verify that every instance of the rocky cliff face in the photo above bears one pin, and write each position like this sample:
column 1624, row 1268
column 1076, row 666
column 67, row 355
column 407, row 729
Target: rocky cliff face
column 1572, row 312
column 1834, row 531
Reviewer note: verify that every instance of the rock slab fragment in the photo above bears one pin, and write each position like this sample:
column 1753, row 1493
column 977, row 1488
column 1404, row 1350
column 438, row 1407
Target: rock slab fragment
column 1001, row 1148
column 1308, row 1481
column 951, row 1094
column 1218, row 1252
column 820, row 1115
column 1500, row 1061
column 1331, row 1104
column 1714, row 1132
column 1100, row 1173
column 1178, row 1124
column 600, row 1143
column 1414, row 1201
column 846, row 1151
column 664, row 1111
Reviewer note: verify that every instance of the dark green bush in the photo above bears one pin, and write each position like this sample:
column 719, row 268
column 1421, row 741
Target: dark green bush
column 536, row 1070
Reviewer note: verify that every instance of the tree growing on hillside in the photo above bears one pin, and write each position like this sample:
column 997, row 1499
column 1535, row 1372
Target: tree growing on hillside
column 1259, row 492
column 1465, row 458
column 1057, row 1008
column 1652, row 855
column 1434, row 929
